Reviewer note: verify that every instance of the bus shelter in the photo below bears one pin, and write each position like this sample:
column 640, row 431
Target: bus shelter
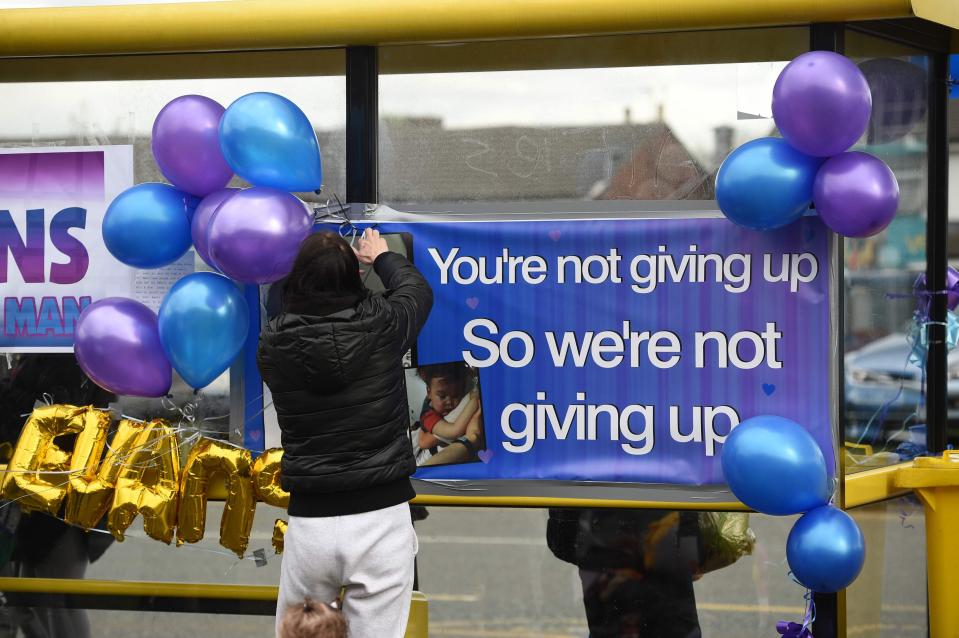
column 544, row 124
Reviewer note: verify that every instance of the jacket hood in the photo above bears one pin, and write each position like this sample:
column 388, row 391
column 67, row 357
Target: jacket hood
column 326, row 353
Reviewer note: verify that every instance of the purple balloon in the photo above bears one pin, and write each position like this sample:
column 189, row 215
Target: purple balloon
column 117, row 344
column 856, row 194
column 186, row 145
column 200, row 227
column 255, row 234
column 821, row 103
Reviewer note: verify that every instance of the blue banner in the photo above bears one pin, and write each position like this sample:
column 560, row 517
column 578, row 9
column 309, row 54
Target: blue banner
column 612, row 350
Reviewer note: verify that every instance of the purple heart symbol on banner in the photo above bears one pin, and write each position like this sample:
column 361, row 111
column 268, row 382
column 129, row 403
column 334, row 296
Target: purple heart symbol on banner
column 472, row 302
column 485, row 455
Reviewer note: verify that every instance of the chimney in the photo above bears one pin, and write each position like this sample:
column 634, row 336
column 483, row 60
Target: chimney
column 627, row 116
column 723, row 136
column 659, row 113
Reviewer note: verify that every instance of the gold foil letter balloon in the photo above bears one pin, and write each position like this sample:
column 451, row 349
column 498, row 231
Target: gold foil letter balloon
column 90, row 492
column 266, row 479
column 38, row 473
column 148, row 482
column 207, row 459
column 279, row 533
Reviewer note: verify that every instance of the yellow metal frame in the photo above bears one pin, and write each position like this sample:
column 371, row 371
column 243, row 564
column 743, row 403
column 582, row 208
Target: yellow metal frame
column 174, row 66
column 292, row 24
column 538, row 501
column 647, row 49
column 872, row 486
column 137, row 588
column 417, row 626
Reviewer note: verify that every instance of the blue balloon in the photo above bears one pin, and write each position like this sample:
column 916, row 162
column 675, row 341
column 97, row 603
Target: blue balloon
column 774, row 466
column 204, row 321
column 148, row 226
column 268, row 141
column 766, row 184
column 825, row 550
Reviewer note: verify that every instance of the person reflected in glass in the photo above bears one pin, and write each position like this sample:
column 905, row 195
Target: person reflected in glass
column 45, row 546
column 636, row 568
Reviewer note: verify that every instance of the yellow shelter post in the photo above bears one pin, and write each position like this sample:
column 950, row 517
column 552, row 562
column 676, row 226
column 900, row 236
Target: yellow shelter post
column 936, row 481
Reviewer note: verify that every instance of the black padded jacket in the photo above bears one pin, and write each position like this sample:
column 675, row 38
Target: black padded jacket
column 339, row 390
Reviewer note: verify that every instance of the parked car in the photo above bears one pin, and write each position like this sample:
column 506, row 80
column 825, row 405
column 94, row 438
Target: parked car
column 884, row 392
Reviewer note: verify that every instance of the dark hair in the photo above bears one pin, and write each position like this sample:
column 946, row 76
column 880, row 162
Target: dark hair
column 326, row 266
column 455, row 373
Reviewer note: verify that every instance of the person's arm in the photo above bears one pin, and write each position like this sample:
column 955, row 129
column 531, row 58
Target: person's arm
column 474, row 431
column 408, row 292
column 455, row 452
column 457, row 428
column 464, row 448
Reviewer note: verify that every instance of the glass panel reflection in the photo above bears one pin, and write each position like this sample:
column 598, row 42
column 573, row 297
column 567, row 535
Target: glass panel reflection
column 889, row 597
column 884, row 404
column 121, row 112
column 630, row 127
column 495, row 572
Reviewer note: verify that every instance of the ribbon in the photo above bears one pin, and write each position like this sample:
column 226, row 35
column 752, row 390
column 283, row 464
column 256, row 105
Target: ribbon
column 788, row 629
column 793, row 630
column 918, row 336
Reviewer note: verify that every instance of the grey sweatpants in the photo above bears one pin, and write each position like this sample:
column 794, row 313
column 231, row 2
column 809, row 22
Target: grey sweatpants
column 370, row 554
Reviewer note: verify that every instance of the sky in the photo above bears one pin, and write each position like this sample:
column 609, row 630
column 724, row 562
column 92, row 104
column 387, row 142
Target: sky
column 694, row 100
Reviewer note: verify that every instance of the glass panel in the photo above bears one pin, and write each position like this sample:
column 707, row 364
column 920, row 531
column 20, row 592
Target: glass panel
column 553, row 123
column 594, row 119
column 490, row 572
column 884, row 411
column 889, row 597
column 952, row 241
column 48, row 548
column 107, row 112
column 134, row 624
column 119, row 109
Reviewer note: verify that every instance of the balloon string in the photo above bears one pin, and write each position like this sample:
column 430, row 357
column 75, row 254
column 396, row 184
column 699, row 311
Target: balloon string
column 461, row 486
column 128, row 535
column 231, row 555
column 119, row 461
column 917, row 293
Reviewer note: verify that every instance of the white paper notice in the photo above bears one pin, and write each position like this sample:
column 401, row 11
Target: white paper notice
column 149, row 286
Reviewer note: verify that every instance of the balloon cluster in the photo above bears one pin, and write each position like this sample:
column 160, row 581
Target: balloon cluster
column 247, row 235
column 822, row 104
column 774, row 466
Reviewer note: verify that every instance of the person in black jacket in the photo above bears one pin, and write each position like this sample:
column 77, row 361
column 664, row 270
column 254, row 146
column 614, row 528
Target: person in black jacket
column 332, row 359
column 636, row 568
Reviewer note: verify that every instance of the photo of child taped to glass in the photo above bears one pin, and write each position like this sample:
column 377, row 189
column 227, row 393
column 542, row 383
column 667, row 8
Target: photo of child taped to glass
column 446, row 414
